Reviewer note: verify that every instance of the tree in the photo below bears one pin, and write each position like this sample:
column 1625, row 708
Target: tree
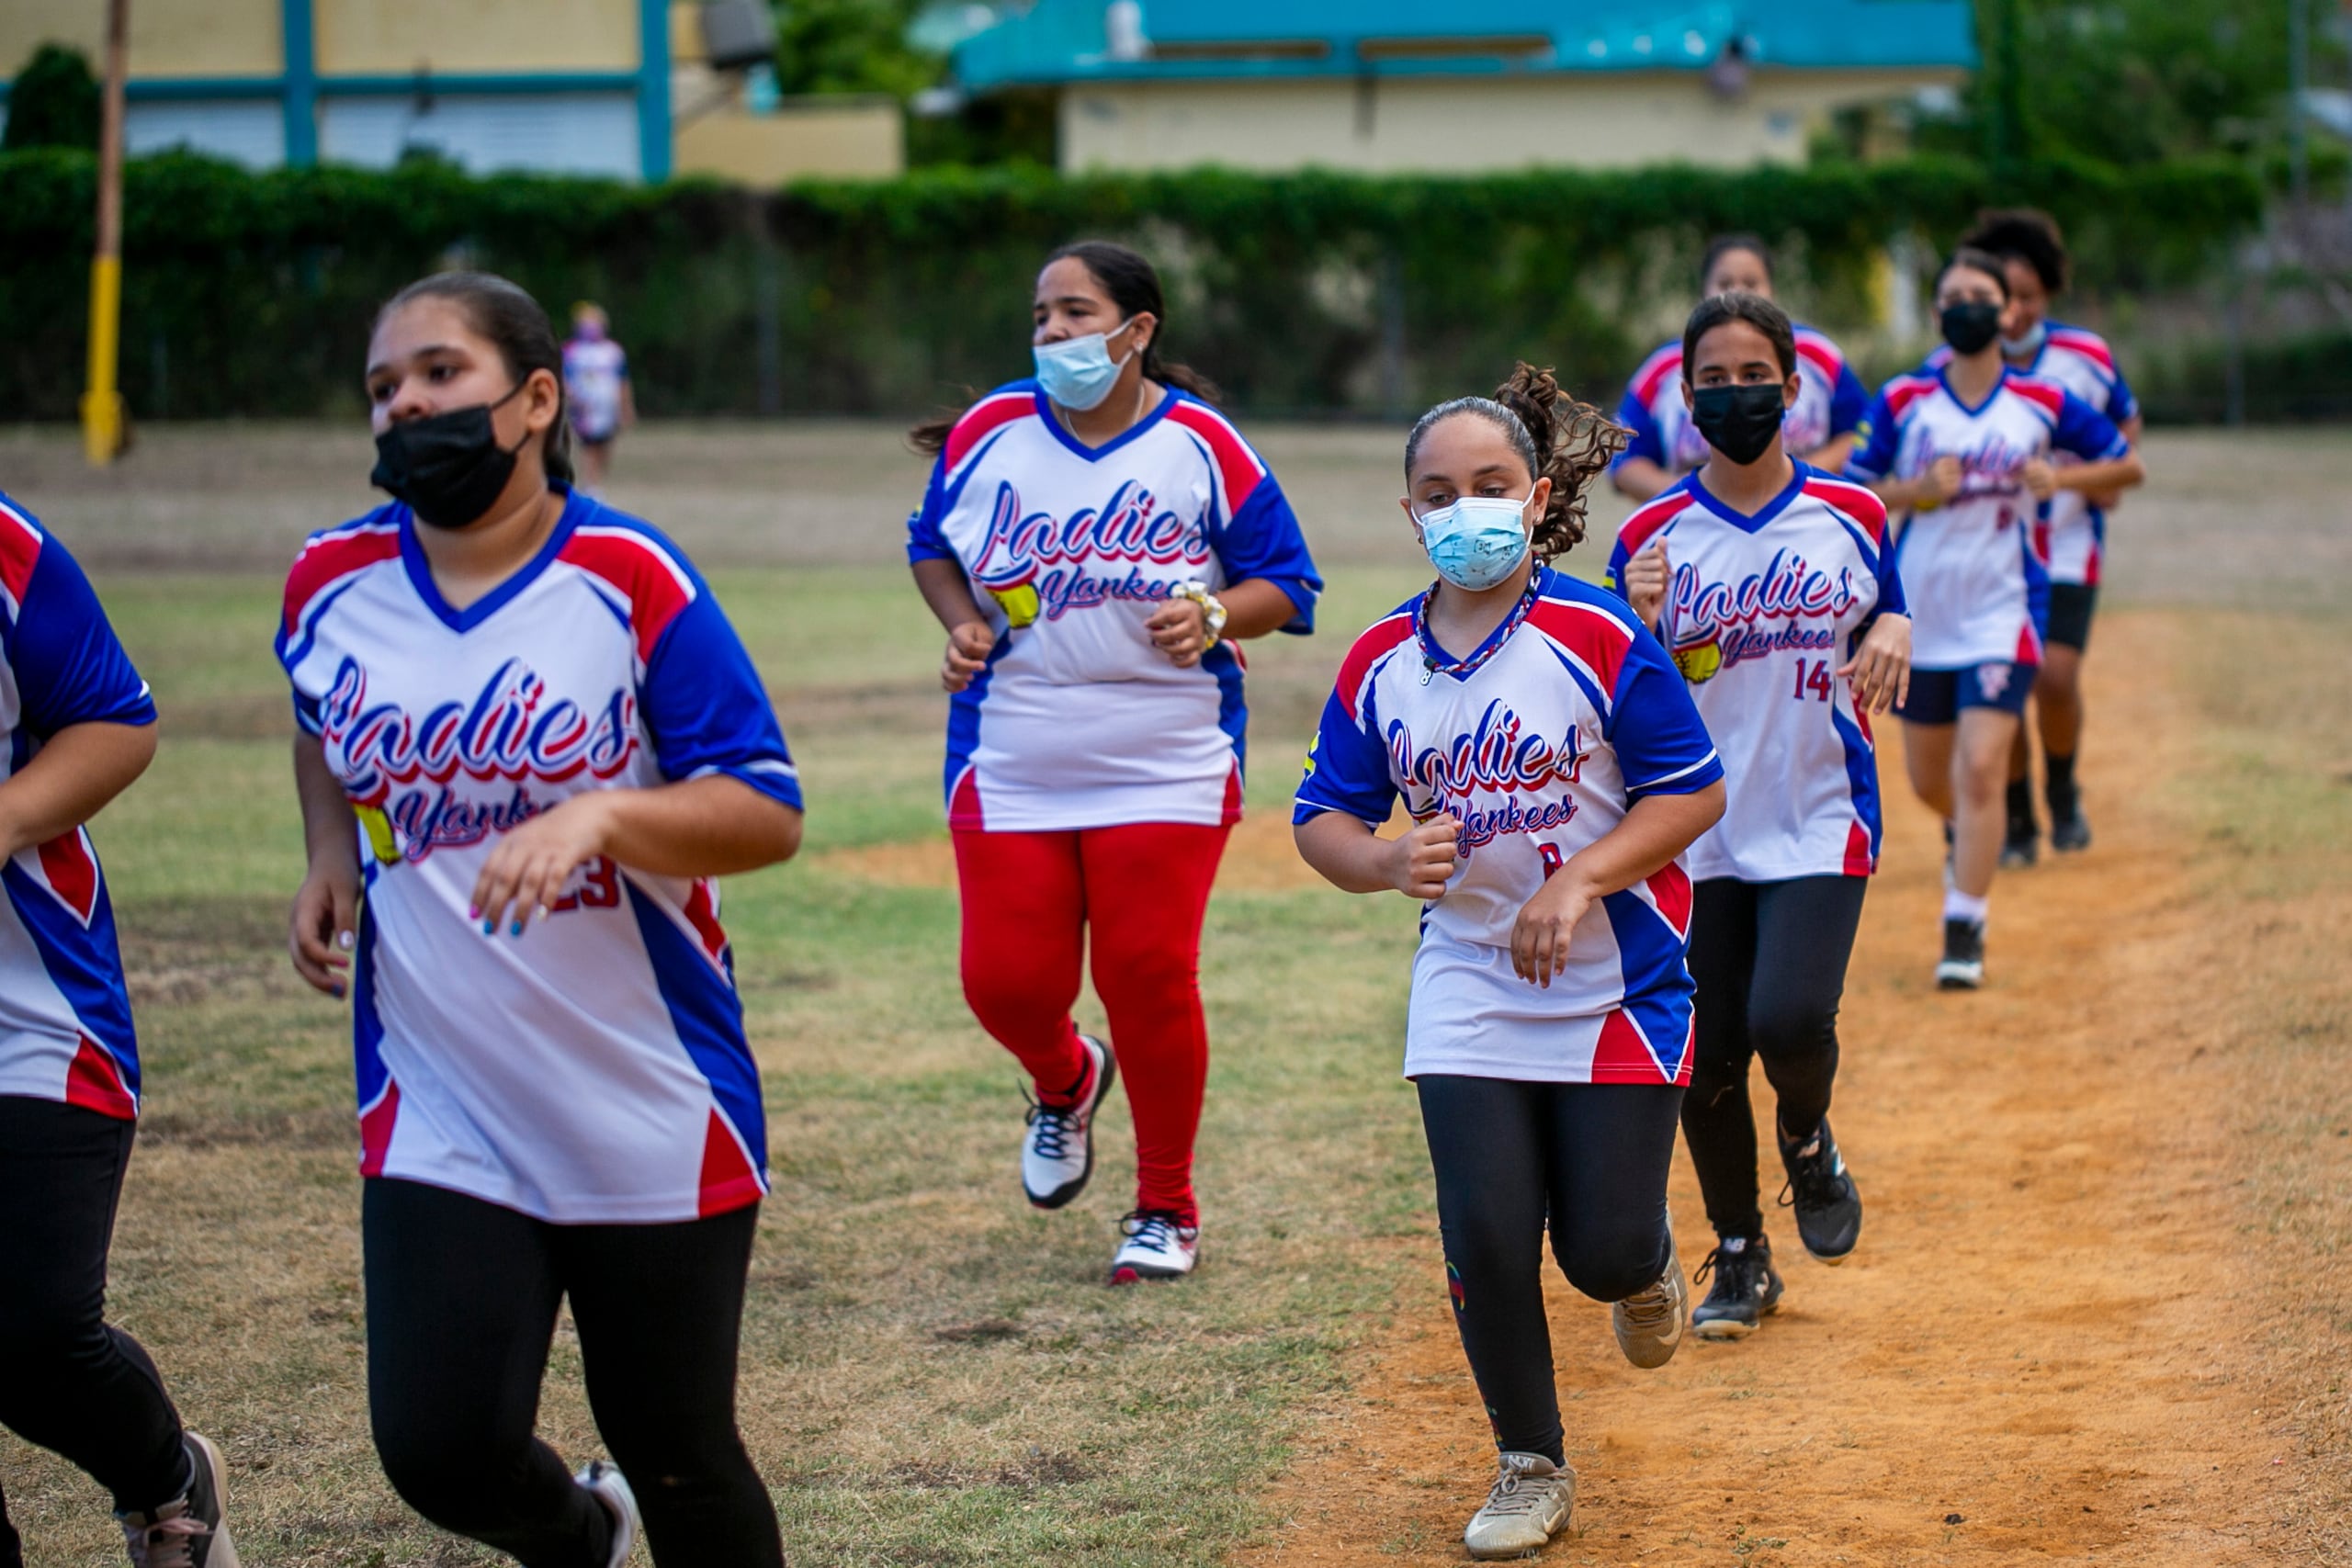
column 53, row 102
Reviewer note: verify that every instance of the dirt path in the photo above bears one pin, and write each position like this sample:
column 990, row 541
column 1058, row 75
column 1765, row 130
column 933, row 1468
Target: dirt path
column 2035, row 1356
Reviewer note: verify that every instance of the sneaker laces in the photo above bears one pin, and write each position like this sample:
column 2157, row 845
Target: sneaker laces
column 1154, row 1228
column 1515, row 1493
column 1734, row 1269
column 1052, row 1129
column 1814, row 1179
column 164, row 1543
column 1649, row 1310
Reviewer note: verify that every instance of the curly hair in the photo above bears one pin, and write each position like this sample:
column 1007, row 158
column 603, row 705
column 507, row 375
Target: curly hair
column 1557, row 437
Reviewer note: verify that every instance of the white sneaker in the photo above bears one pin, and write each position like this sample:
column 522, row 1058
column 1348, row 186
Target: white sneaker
column 1057, row 1151
column 611, row 1488
column 1160, row 1245
column 1531, row 1503
column 1649, row 1322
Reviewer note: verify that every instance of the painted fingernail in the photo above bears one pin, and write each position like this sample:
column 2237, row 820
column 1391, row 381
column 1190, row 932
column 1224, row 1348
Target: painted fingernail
column 490, row 928
column 473, row 911
column 516, row 929
column 343, row 940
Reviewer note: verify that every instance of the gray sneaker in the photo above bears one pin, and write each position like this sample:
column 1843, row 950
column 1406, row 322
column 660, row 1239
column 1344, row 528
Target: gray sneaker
column 190, row 1530
column 1530, row 1503
column 611, row 1488
column 1649, row 1322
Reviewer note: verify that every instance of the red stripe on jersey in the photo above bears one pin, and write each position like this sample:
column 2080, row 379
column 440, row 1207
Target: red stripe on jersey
column 2090, row 345
column 1822, row 355
column 1859, row 862
column 19, row 553
column 1594, row 637
column 72, row 873
column 1854, row 501
column 729, row 1183
column 1377, row 640
column 2028, row 645
column 1690, row 1050
column 1622, row 1055
column 95, row 1083
column 1648, row 518
column 2090, row 568
column 1238, row 467
column 1232, row 798
column 702, row 913
column 657, row 591
column 1671, row 887
column 328, row 560
column 375, row 1129
column 1666, row 362
column 990, row 414
column 2047, row 396
column 1905, row 390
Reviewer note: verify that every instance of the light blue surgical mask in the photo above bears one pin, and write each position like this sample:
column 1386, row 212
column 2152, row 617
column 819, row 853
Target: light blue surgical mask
column 1079, row 372
column 2029, row 345
column 1477, row 541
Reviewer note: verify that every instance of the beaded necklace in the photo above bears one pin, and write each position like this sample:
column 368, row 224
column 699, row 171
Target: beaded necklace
column 1463, row 669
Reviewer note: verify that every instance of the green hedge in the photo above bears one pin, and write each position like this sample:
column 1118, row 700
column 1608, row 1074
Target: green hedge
column 251, row 293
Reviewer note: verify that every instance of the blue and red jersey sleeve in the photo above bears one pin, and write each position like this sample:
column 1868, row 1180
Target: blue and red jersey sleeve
column 705, row 705
column 1348, row 769
column 1877, row 438
column 70, row 668
column 2085, row 432
column 1661, row 743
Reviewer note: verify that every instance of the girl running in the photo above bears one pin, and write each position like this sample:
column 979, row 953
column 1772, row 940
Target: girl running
column 1095, row 541
column 552, row 742
column 597, row 391
column 2073, row 530
column 80, row 728
column 1554, row 769
column 1774, row 585
column 1965, row 450
column 1665, row 443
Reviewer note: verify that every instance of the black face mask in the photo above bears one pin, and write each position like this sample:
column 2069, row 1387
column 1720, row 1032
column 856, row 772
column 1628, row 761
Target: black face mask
column 1971, row 324
column 1739, row 422
column 450, row 467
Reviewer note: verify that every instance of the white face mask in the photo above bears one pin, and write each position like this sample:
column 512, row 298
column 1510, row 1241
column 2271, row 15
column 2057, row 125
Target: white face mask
column 2028, row 345
column 1079, row 372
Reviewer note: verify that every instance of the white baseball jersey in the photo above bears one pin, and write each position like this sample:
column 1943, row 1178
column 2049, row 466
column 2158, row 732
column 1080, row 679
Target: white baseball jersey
column 1538, row 742
column 594, row 1069
column 65, row 1031
column 1079, row 721
column 2072, row 533
column 1831, row 399
column 1975, row 584
column 1761, row 613
column 595, row 370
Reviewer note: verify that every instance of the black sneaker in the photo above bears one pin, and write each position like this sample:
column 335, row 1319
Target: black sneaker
column 2023, row 846
column 189, row 1531
column 1747, row 1287
column 2070, row 833
column 1962, row 968
column 1829, row 1210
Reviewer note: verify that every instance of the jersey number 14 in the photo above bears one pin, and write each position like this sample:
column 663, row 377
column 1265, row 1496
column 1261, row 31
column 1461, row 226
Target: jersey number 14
column 1813, row 679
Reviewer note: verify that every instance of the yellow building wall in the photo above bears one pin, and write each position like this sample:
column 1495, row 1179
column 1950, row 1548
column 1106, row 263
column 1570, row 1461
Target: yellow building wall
column 394, row 36
column 854, row 139
column 168, row 38
column 1440, row 126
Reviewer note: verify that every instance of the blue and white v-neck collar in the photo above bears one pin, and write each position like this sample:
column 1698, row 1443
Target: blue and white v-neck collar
column 419, row 570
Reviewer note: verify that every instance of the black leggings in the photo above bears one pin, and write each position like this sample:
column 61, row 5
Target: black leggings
column 462, row 1309
column 68, row 1381
column 1770, row 960
column 1594, row 1157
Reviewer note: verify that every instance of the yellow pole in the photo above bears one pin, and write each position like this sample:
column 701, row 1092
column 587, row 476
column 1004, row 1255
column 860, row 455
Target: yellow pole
column 103, row 423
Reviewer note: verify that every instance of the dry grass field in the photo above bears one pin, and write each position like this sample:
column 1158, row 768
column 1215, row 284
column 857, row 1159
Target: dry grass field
column 2099, row 1309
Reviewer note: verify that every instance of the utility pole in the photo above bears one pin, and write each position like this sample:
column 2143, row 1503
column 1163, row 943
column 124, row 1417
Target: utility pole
column 2007, row 109
column 102, row 415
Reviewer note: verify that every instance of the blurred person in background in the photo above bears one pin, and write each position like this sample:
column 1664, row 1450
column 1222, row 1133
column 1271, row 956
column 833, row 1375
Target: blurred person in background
column 80, row 728
column 1667, row 444
column 1964, row 450
column 1096, row 540
column 598, row 390
column 2072, row 530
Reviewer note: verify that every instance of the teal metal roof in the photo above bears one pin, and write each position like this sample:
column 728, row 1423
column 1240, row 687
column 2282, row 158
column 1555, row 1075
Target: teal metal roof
column 1056, row 41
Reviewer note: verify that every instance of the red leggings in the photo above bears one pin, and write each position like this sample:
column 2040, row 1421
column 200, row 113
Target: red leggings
column 1143, row 888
